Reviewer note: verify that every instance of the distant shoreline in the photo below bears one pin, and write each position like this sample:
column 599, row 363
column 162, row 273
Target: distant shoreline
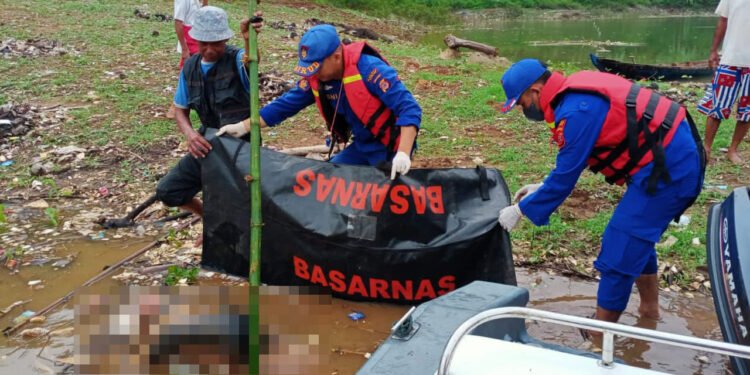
column 478, row 15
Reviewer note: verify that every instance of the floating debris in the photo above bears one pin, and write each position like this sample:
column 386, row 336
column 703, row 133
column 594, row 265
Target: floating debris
column 62, row 332
column 34, row 332
column 98, row 236
column 62, row 263
column 26, row 315
column 12, row 306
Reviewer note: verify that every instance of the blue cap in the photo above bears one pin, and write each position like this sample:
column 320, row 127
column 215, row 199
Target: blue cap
column 318, row 43
column 518, row 78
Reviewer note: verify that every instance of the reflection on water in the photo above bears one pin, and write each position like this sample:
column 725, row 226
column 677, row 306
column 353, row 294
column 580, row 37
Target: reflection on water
column 642, row 39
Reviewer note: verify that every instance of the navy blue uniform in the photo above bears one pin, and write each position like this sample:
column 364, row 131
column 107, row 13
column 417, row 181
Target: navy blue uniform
column 640, row 219
column 382, row 81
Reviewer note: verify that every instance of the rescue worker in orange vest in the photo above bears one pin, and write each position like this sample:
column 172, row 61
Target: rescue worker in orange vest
column 358, row 94
column 632, row 136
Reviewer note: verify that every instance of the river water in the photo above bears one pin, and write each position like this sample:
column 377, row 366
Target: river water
column 346, row 344
column 629, row 38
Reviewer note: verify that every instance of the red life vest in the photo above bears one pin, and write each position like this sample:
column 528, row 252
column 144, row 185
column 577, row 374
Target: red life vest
column 639, row 124
column 373, row 113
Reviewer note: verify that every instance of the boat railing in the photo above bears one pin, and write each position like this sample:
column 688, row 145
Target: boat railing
column 608, row 329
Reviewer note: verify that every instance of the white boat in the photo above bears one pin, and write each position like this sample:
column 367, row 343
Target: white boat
column 481, row 328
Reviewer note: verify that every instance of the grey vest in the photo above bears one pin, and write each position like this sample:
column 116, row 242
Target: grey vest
column 219, row 98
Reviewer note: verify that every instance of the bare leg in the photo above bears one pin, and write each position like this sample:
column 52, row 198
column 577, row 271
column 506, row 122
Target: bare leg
column 605, row 315
column 195, row 206
column 739, row 133
column 712, row 126
column 648, row 289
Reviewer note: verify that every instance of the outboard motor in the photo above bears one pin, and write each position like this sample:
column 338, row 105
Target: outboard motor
column 728, row 247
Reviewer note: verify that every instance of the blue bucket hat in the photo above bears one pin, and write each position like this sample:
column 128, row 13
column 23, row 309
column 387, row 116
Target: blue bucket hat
column 318, row 43
column 518, row 78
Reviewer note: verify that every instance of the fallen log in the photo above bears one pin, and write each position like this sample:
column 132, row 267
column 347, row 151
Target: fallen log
column 455, row 43
column 302, row 151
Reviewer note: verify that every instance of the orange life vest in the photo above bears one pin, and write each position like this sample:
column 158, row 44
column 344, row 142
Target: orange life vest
column 373, row 113
column 639, row 124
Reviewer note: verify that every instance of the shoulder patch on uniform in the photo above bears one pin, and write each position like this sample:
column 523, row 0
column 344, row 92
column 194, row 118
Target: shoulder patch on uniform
column 384, row 85
column 303, row 85
column 558, row 135
column 372, row 74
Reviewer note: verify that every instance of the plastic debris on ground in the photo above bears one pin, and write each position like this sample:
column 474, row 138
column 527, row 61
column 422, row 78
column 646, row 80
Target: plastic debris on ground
column 684, row 221
column 98, row 236
column 34, row 332
column 356, row 316
column 26, row 315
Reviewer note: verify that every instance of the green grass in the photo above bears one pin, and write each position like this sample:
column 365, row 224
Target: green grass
column 175, row 274
column 53, row 216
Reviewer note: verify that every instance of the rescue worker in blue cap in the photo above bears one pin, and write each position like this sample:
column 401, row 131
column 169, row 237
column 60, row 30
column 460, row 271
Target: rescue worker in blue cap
column 632, row 136
column 359, row 95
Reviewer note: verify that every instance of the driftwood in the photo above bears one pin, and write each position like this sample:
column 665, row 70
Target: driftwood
column 158, row 268
column 302, row 151
column 455, row 43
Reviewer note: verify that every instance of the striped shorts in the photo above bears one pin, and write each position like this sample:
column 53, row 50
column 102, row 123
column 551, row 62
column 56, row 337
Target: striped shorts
column 730, row 83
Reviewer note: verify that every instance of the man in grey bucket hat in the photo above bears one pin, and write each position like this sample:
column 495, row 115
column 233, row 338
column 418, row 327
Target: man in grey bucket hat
column 213, row 83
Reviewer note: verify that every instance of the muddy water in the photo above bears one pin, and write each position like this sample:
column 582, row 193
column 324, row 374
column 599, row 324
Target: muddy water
column 38, row 356
column 350, row 341
column 681, row 315
column 90, row 258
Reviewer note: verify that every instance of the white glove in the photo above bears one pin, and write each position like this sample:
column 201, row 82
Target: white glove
column 235, row 130
column 509, row 217
column 401, row 164
column 525, row 191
